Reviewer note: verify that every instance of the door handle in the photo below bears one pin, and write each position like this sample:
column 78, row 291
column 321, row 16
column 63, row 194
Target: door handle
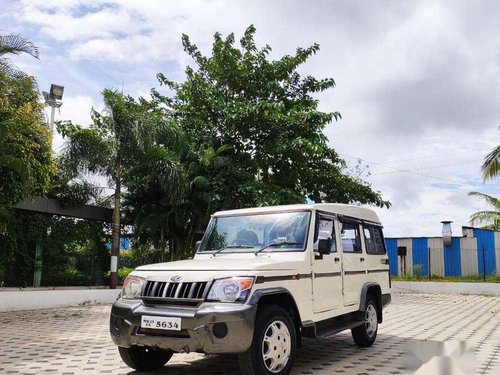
column 336, row 259
column 361, row 259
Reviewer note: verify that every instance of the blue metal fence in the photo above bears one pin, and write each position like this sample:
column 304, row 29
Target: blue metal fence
column 475, row 254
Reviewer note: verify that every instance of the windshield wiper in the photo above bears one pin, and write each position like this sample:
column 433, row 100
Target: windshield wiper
column 278, row 244
column 232, row 247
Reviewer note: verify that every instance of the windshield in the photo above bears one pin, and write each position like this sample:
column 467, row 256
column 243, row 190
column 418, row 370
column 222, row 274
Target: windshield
column 281, row 231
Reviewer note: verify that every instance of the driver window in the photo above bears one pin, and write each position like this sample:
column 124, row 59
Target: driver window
column 326, row 229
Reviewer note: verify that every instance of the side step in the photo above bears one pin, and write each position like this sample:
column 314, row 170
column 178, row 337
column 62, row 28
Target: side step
column 332, row 326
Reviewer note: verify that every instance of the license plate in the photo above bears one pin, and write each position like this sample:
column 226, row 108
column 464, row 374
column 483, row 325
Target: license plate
column 160, row 322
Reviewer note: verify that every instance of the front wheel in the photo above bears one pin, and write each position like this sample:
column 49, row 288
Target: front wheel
column 365, row 334
column 144, row 359
column 273, row 346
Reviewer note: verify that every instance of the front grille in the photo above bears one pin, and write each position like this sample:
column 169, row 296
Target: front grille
column 173, row 290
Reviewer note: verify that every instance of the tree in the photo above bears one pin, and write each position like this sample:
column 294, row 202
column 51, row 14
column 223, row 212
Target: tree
column 166, row 224
column 26, row 167
column 117, row 141
column 488, row 219
column 71, row 188
column 490, row 170
column 15, row 45
column 26, row 164
column 491, row 165
column 267, row 116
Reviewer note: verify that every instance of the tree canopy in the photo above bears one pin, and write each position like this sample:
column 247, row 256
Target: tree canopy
column 14, row 45
column 489, row 219
column 266, row 114
column 26, row 164
column 491, row 165
column 490, row 169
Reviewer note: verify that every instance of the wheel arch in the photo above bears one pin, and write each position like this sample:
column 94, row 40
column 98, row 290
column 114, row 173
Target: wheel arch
column 374, row 290
column 281, row 297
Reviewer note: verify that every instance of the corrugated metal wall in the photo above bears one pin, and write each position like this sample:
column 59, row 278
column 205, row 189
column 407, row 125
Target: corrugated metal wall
column 392, row 252
column 464, row 257
column 452, row 258
column 497, row 251
column 486, row 249
column 405, row 265
column 468, row 249
column 420, row 252
column 437, row 256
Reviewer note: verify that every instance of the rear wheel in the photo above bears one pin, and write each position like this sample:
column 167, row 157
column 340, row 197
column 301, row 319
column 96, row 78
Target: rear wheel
column 273, row 346
column 144, row 359
column 365, row 334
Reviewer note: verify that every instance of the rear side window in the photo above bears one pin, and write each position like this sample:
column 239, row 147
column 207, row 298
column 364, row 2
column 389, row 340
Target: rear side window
column 350, row 238
column 374, row 240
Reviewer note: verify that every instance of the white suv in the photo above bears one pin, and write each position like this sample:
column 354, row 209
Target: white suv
column 261, row 279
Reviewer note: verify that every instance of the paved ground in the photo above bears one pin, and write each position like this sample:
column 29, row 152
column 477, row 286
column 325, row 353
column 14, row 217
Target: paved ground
column 76, row 341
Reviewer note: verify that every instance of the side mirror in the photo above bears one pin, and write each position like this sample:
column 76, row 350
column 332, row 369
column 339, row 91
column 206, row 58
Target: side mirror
column 197, row 245
column 324, row 246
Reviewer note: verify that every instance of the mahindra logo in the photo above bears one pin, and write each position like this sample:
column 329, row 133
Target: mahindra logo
column 176, row 279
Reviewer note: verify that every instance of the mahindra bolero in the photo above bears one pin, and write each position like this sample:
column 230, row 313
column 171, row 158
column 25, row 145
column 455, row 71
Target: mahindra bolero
column 260, row 280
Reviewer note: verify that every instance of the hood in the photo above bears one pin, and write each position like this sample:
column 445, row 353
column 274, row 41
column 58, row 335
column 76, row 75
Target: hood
column 221, row 263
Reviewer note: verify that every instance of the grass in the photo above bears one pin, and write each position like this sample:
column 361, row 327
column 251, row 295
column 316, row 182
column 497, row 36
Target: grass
column 466, row 279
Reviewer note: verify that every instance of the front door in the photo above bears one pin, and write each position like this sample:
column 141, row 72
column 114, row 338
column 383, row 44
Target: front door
column 327, row 276
column 353, row 262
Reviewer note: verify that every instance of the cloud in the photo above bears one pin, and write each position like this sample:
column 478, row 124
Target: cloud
column 128, row 49
column 78, row 20
column 126, row 31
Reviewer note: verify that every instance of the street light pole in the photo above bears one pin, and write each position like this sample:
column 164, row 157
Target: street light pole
column 52, row 115
column 53, row 100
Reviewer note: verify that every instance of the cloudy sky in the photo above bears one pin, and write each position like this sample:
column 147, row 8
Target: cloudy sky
column 418, row 82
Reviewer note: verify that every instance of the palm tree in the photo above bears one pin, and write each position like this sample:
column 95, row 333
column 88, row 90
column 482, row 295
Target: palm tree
column 14, row 45
column 489, row 219
column 120, row 139
column 491, row 165
column 169, row 222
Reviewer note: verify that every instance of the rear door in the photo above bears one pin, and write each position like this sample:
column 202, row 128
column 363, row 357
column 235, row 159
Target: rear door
column 327, row 277
column 353, row 261
column 377, row 262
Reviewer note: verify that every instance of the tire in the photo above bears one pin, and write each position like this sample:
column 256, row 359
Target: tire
column 274, row 337
column 144, row 359
column 365, row 334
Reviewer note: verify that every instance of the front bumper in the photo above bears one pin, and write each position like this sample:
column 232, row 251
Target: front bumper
column 197, row 332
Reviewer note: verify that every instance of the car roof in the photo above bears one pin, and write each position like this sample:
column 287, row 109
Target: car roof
column 334, row 208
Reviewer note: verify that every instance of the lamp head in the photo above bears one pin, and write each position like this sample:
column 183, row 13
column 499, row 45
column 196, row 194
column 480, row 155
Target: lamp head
column 56, row 91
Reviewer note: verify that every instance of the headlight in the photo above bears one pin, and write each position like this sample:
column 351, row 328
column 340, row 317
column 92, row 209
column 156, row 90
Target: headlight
column 231, row 289
column 132, row 287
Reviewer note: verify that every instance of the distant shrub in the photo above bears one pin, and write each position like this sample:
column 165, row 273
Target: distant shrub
column 418, row 271
column 123, row 273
